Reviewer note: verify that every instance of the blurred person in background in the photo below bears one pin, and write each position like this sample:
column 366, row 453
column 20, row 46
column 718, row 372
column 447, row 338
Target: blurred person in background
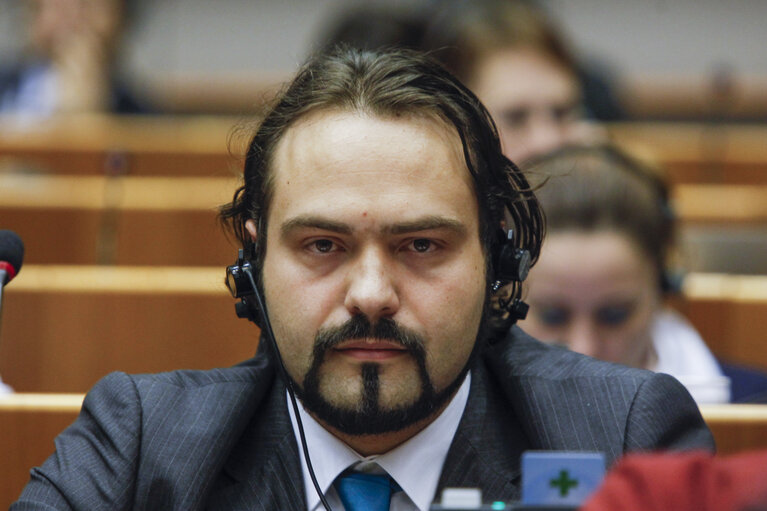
column 513, row 58
column 600, row 283
column 374, row 27
column 70, row 60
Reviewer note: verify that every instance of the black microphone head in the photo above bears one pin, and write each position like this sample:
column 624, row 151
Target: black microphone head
column 11, row 254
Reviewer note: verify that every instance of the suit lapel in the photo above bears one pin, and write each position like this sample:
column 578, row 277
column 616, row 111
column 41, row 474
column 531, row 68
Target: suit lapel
column 263, row 472
column 487, row 447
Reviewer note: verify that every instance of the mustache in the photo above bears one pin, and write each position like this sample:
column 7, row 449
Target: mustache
column 357, row 327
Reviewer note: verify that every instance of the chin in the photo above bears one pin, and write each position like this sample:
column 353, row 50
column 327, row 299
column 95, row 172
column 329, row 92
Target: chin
column 375, row 407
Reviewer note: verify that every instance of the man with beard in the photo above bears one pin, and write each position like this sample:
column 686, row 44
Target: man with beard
column 388, row 236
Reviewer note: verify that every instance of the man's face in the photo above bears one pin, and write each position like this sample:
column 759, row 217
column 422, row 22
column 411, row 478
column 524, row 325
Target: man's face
column 373, row 223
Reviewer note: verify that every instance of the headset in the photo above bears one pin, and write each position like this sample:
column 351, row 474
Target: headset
column 242, row 285
column 510, row 264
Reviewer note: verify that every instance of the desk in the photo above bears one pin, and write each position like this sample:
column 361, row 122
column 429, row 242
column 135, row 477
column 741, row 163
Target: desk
column 29, row 423
column 139, row 146
column 64, row 327
column 730, row 312
column 699, row 152
column 737, row 428
column 121, row 220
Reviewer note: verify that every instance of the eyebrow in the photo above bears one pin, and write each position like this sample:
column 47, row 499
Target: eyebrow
column 314, row 222
column 419, row 224
column 426, row 224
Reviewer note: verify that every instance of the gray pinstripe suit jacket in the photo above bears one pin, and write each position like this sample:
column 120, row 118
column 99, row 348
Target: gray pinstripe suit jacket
column 222, row 439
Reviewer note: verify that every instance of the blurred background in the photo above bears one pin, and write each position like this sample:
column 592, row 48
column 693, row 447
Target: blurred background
column 684, row 81
column 668, row 59
column 681, row 84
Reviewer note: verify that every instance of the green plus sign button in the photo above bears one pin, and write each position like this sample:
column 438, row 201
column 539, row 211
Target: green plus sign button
column 560, row 478
column 564, row 483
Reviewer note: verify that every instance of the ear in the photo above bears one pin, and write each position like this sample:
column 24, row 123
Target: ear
column 250, row 225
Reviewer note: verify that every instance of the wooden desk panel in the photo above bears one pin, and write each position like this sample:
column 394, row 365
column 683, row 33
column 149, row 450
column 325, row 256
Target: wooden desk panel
column 136, row 146
column 737, row 428
column 29, row 423
column 98, row 162
column 730, row 312
column 127, row 221
column 66, row 327
column 720, row 204
column 76, row 236
column 699, row 152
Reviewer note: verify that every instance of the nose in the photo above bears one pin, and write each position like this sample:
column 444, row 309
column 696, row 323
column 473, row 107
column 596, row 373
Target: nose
column 544, row 134
column 371, row 288
column 582, row 336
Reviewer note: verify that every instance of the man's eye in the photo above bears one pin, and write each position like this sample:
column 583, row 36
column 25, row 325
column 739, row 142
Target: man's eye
column 422, row 245
column 323, row 246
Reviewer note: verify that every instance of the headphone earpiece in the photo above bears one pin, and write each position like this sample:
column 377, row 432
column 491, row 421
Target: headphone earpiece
column 511, row 264
column 239, row 281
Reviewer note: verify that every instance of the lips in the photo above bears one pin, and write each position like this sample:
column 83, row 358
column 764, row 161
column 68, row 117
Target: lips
column 371, row 349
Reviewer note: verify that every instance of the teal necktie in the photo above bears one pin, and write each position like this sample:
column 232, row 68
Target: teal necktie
column 364, row 492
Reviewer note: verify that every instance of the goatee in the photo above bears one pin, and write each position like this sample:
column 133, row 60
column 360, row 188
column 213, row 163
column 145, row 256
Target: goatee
column 368, row 416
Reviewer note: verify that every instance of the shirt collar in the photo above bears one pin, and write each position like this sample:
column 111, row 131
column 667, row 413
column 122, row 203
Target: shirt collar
column 415, row 465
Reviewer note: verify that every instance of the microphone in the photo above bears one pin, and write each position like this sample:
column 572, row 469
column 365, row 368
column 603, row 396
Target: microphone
column 11, row 256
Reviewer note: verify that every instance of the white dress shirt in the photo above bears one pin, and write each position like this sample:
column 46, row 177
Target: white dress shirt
column 415, row 465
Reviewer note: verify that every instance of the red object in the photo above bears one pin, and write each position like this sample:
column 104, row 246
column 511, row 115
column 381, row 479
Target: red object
column 684, row 482
column 10, row 271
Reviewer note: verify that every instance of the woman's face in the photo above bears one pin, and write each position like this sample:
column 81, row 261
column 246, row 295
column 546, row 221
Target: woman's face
column 533, row 99
column 596, row 293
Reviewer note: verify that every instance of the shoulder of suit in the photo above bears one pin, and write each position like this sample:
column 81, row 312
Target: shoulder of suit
column 256, row 371
column 522, row 355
